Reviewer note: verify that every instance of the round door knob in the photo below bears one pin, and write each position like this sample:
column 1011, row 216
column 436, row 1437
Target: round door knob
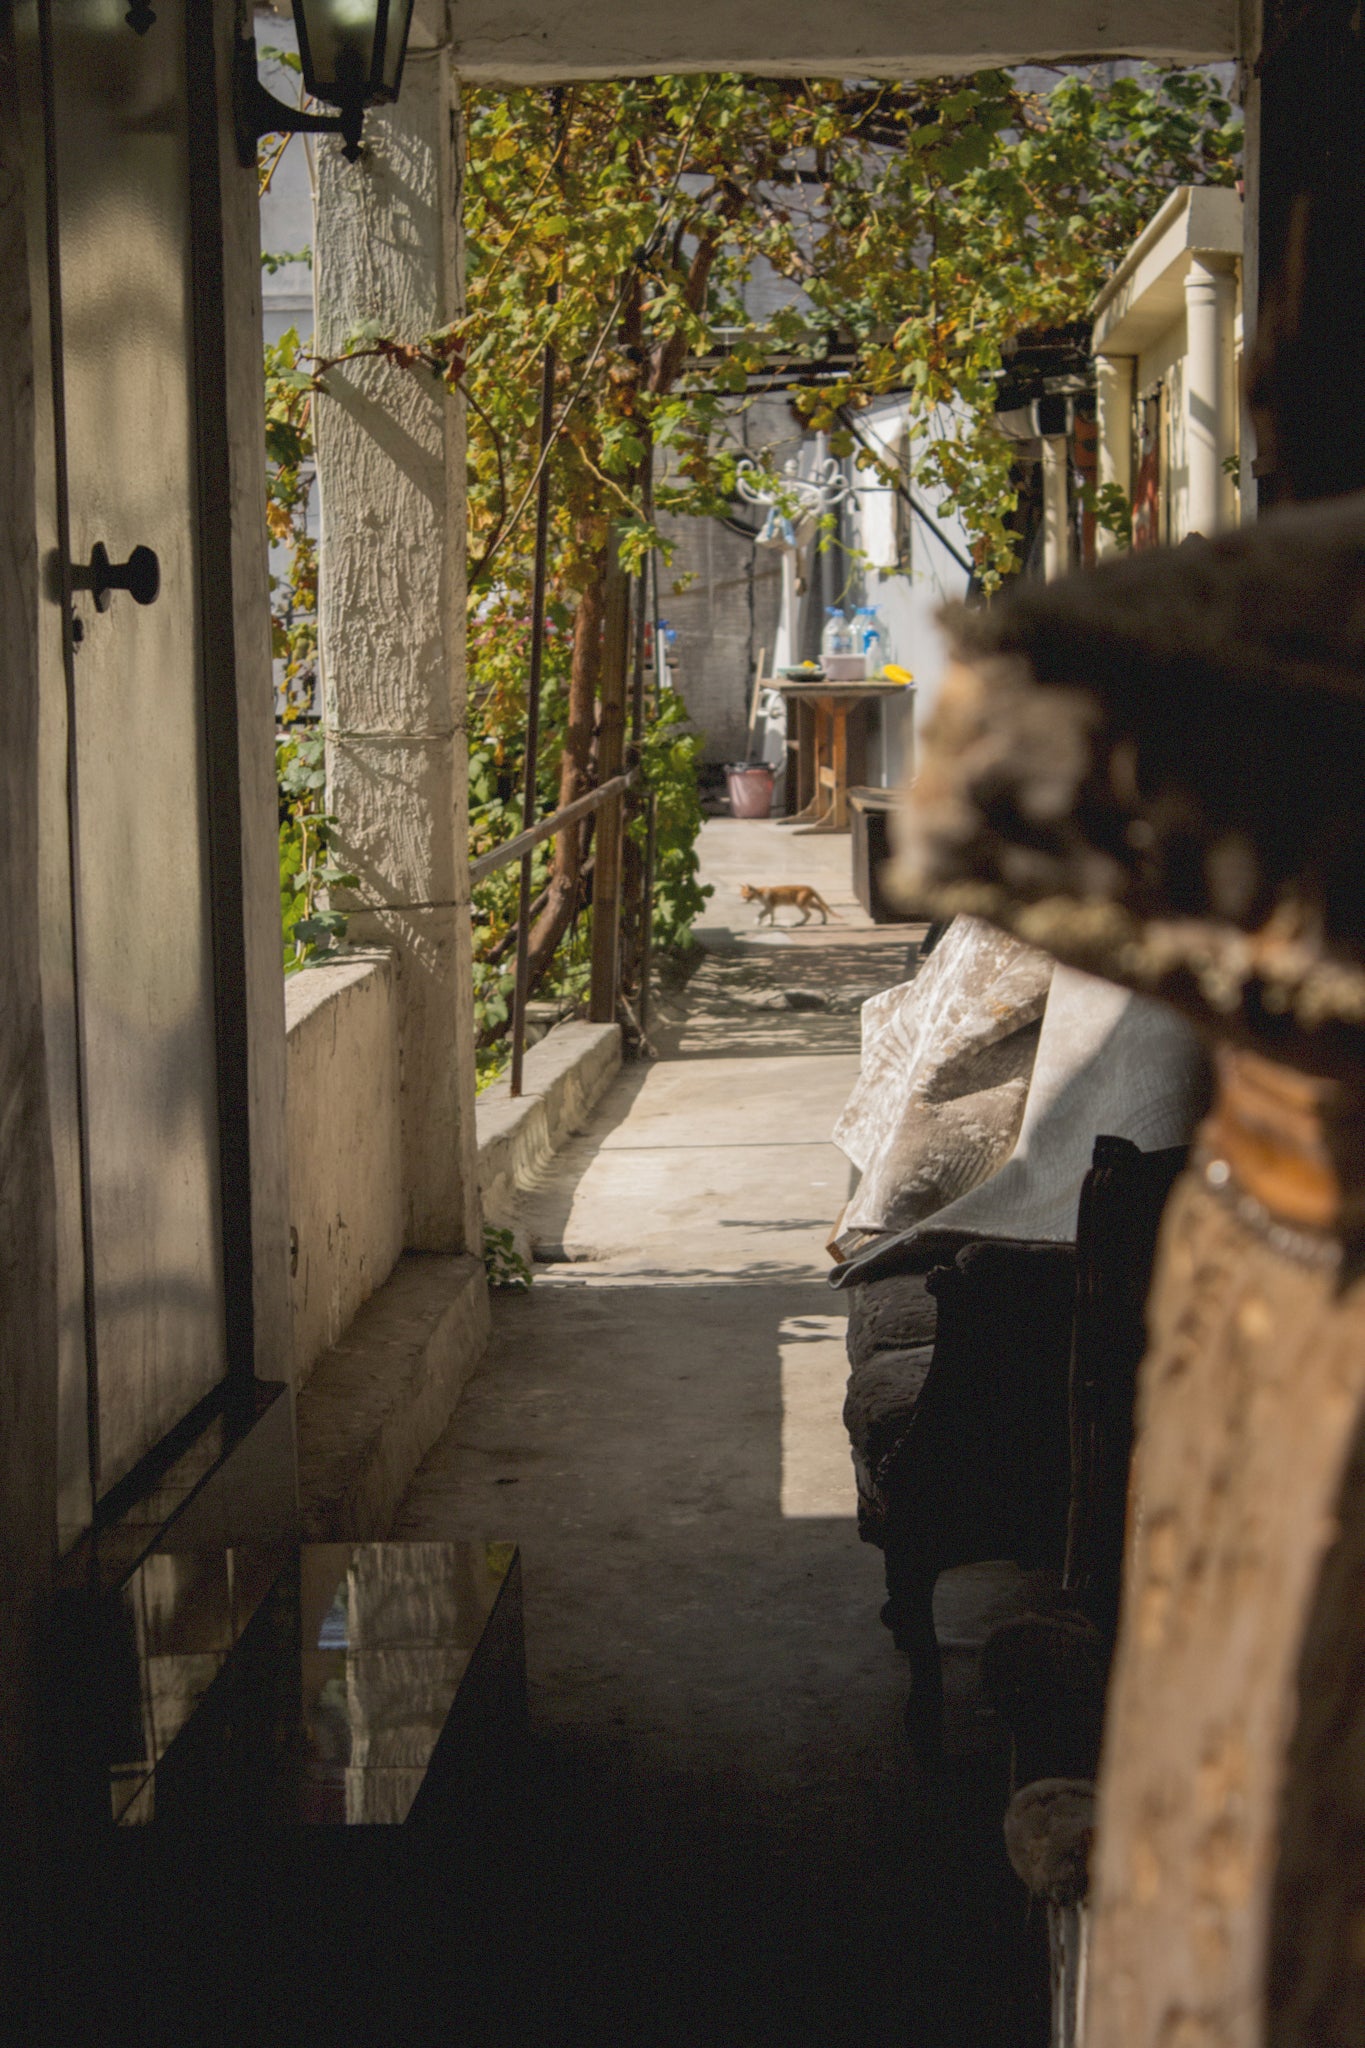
column 140, row 576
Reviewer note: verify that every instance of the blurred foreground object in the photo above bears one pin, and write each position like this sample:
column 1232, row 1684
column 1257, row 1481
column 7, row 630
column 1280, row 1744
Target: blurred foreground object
column 1152, row 771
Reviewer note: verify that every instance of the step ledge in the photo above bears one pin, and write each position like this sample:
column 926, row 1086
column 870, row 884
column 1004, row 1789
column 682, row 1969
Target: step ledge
column 379, row 1399
column 564, row 1078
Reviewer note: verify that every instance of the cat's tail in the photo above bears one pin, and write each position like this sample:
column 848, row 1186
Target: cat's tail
column 825, row 907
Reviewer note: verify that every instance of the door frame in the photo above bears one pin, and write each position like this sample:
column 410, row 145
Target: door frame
column 235, row 678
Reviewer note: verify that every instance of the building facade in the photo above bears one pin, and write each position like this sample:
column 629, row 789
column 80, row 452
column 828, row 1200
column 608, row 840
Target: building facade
column 1168, row 343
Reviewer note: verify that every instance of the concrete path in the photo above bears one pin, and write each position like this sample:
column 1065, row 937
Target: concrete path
column 717, row 1713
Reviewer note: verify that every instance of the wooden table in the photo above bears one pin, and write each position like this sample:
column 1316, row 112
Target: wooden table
column 869, row 816
column 826, row 772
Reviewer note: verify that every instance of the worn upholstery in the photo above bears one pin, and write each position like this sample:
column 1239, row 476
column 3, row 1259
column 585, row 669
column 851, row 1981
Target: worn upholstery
column 944, row 1078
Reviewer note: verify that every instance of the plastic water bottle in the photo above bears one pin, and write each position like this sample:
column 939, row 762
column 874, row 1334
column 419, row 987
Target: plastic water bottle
column 837, row 637
column 873, row 639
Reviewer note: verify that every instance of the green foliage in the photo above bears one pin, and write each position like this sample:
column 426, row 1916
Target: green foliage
column 273, row 260
column 503, row 1263
column 1015, row 206
column 668, row 760
column 497, row 654
column 289, row 480
column 669, row 755
column 933, row 223
column 1112, row 510
column 312, row 932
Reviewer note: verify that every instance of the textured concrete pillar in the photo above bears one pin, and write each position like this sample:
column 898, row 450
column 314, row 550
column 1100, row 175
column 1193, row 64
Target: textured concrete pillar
column 1114, row 391
column 391, row 468
column 1210, row 299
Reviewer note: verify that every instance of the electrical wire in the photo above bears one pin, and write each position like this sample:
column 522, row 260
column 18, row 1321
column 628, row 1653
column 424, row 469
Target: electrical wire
column 903, row 490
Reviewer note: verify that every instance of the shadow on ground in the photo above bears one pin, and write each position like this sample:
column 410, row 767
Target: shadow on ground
column 755, row 998
column 723, row 1840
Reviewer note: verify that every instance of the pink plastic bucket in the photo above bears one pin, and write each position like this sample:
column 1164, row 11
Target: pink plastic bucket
column 751, row 791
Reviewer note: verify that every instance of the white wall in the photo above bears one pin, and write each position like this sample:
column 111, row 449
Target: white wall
column 908, row 602
column 287, row 203
column 543, row 40
column 345, row 1163
column 1164, row 364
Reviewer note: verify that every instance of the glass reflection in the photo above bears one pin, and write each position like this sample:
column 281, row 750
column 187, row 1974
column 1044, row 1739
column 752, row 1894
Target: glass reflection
column 307, row 1682
column 396, row 1626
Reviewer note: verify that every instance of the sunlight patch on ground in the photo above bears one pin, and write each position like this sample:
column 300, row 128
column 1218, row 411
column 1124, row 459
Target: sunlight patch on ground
column 817, row 1474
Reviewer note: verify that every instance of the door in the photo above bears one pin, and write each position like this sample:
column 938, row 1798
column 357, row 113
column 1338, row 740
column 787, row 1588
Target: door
column 120, row 223
column 1310, row 185
column 1149, row 490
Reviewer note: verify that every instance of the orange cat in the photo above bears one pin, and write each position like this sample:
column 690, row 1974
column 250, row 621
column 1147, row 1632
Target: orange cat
column 796, row 893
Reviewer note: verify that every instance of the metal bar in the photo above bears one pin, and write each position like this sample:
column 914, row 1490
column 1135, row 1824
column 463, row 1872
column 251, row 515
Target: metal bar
column 528, row 799
column 611, row 735
column 903, row 490
column 641, row 587
column 647, row 911
column 545, row 828
column 634, row 901
column 660, row 662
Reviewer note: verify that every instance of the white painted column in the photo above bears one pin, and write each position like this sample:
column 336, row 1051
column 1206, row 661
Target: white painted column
column 784, row 642
column 391, row 453
column 1252, row 27
column 1056, row 507
column 1210, row 299
column 1114, row 381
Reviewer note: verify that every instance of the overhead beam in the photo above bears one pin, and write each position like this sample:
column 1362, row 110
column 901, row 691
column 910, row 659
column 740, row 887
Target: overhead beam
column 530, row 42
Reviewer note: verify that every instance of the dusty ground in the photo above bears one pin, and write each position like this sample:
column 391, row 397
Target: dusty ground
column 724, row 1842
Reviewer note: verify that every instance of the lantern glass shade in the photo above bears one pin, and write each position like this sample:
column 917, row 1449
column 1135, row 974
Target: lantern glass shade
column 352, row 50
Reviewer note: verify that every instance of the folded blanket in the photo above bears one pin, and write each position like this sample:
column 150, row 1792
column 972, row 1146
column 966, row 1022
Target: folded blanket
column 1108, row 1063
column 945, row 1073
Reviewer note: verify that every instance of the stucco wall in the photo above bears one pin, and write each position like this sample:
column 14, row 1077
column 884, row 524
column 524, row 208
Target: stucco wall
column 345, row 1159
column 391, row 467
column 543, row 40
column 724, row 618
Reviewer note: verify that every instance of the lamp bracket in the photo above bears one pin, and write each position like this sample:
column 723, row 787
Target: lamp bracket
column 258, row 112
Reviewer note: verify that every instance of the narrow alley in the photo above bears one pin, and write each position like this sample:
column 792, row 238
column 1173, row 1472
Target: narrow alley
column 726, row 1830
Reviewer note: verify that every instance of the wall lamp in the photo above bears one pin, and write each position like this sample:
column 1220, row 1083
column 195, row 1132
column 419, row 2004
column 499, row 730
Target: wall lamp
column 352, row 55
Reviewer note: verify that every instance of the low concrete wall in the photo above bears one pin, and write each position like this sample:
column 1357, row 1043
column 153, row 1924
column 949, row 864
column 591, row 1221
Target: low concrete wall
column 382, row 1396
column 385, row 1339
column 565, row 1076
column 345, row 1162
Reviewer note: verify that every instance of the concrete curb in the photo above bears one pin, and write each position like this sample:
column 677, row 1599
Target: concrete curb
column 378, row 1400
column 566, row 1075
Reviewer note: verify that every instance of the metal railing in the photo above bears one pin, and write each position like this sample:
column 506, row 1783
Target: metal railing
column 618, row 778
column 513, row 849
column 521, row 848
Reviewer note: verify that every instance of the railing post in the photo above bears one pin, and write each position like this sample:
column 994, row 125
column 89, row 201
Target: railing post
column 647, row 910
column 634, row 902
column 528, row 800
column 611, row 736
